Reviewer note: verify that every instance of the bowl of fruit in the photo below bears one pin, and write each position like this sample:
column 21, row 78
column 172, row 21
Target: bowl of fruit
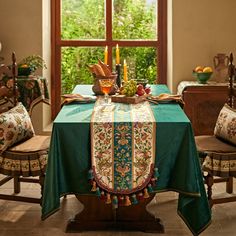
column 131, row 92
column 132, row 88
column 202, row 74
column 24, row 70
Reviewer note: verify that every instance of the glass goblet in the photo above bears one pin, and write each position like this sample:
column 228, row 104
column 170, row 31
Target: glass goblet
column 106, row 85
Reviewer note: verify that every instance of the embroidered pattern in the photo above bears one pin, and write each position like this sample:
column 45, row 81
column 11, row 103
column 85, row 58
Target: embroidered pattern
column 226, row 124
column 220, row 164
column 231, row 128
column 123, row 147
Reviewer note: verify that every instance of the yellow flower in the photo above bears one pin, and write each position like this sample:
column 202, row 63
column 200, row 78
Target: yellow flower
column 24, row 66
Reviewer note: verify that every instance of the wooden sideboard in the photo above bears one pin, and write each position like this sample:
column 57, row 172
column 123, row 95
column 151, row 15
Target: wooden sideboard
column 203, row 104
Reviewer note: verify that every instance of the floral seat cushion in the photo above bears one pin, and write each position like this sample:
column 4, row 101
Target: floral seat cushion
column 220, row 149
column 26, row 159
column 210, row 143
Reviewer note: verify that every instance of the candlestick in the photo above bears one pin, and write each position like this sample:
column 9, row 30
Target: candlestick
column 106, row 55
column 117, row 54
column 125, row 72
column 118, row 80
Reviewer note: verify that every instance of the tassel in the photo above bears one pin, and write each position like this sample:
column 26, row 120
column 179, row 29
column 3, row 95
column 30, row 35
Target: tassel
column 134, row 199
column 102, row 196
column 145, row 194
column 94, row 188
column 115, row 202
column 121, row 200
column 108, row 201
column 127, row 201
column 140, row 196
column 90, row 174
column 150, row 190
column 153, row 181
column 156, row 173
column 98, row 192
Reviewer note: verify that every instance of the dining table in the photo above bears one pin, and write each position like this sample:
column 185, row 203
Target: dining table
column 175, row 157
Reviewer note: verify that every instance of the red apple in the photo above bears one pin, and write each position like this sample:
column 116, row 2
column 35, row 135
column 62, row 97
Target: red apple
column 147, row 90
column 140, row 87
column 140, row 92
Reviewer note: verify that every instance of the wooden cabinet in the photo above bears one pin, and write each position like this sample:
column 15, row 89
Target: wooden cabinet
column 203, row 104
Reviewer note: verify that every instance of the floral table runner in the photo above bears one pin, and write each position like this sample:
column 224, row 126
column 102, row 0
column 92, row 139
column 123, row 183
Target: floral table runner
column 123, row 146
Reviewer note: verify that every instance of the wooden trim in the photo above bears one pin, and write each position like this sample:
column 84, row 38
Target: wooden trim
column 109, row 30
column 102, row 43
column 162, row 39
column 55, row 58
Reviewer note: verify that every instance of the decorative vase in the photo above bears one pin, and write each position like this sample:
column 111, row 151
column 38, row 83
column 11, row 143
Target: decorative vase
column 221, row 62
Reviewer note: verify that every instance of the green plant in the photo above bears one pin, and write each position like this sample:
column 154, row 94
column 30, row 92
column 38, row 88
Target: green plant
column 34, row 62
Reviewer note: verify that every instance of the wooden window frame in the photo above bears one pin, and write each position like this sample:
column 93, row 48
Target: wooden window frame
column 57, row 43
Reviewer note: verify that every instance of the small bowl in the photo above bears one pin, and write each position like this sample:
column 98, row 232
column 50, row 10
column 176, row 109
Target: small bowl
column 202, row 77
column 24, row 71
column 143, row 82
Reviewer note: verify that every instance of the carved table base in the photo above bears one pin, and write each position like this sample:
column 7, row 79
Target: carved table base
column 97, row 215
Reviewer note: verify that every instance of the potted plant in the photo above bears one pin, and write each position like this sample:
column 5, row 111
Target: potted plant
column 30, row 64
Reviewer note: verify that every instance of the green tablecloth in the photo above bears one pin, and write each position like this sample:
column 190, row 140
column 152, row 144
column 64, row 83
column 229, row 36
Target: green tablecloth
column 176, row 159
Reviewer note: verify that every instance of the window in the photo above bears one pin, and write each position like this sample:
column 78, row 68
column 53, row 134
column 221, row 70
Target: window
column 82, row 29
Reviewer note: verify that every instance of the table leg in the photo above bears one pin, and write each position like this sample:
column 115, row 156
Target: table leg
column 97, row 215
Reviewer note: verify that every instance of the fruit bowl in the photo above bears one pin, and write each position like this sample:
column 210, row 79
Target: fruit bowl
column 24, row 71
column 202, row 77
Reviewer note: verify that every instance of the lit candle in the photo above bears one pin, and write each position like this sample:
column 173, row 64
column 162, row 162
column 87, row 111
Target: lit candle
column 125, row 72
column 117, row 55
column 106, row 55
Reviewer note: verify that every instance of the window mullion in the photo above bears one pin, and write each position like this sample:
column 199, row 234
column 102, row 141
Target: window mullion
column 58, row 43
column 162, row 40
column 109, row 30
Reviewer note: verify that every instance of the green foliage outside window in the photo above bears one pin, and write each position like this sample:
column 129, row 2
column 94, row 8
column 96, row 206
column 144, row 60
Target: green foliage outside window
column 84, row 19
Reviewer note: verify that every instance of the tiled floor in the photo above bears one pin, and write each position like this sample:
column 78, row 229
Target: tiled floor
column 23, row 219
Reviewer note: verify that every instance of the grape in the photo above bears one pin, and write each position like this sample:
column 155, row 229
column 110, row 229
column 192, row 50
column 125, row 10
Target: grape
column 130, row 88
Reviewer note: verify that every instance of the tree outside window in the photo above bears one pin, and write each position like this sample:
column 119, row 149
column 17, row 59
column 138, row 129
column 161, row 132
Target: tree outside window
column 83, row 29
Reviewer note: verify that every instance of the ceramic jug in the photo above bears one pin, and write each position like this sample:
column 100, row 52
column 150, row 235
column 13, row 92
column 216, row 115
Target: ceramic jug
column 221, row 62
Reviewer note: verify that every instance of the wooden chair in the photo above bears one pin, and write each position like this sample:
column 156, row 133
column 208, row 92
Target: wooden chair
column 26, row 158
column 218, row 156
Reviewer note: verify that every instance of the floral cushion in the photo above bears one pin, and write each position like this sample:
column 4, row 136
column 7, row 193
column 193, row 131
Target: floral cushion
column 226, row 124
column 15, row 126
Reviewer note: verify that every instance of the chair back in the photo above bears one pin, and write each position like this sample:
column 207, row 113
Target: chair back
column 231, row 88
column 8, row 85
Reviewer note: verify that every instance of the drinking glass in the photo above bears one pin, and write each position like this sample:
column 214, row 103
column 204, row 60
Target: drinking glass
column 106, row 85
